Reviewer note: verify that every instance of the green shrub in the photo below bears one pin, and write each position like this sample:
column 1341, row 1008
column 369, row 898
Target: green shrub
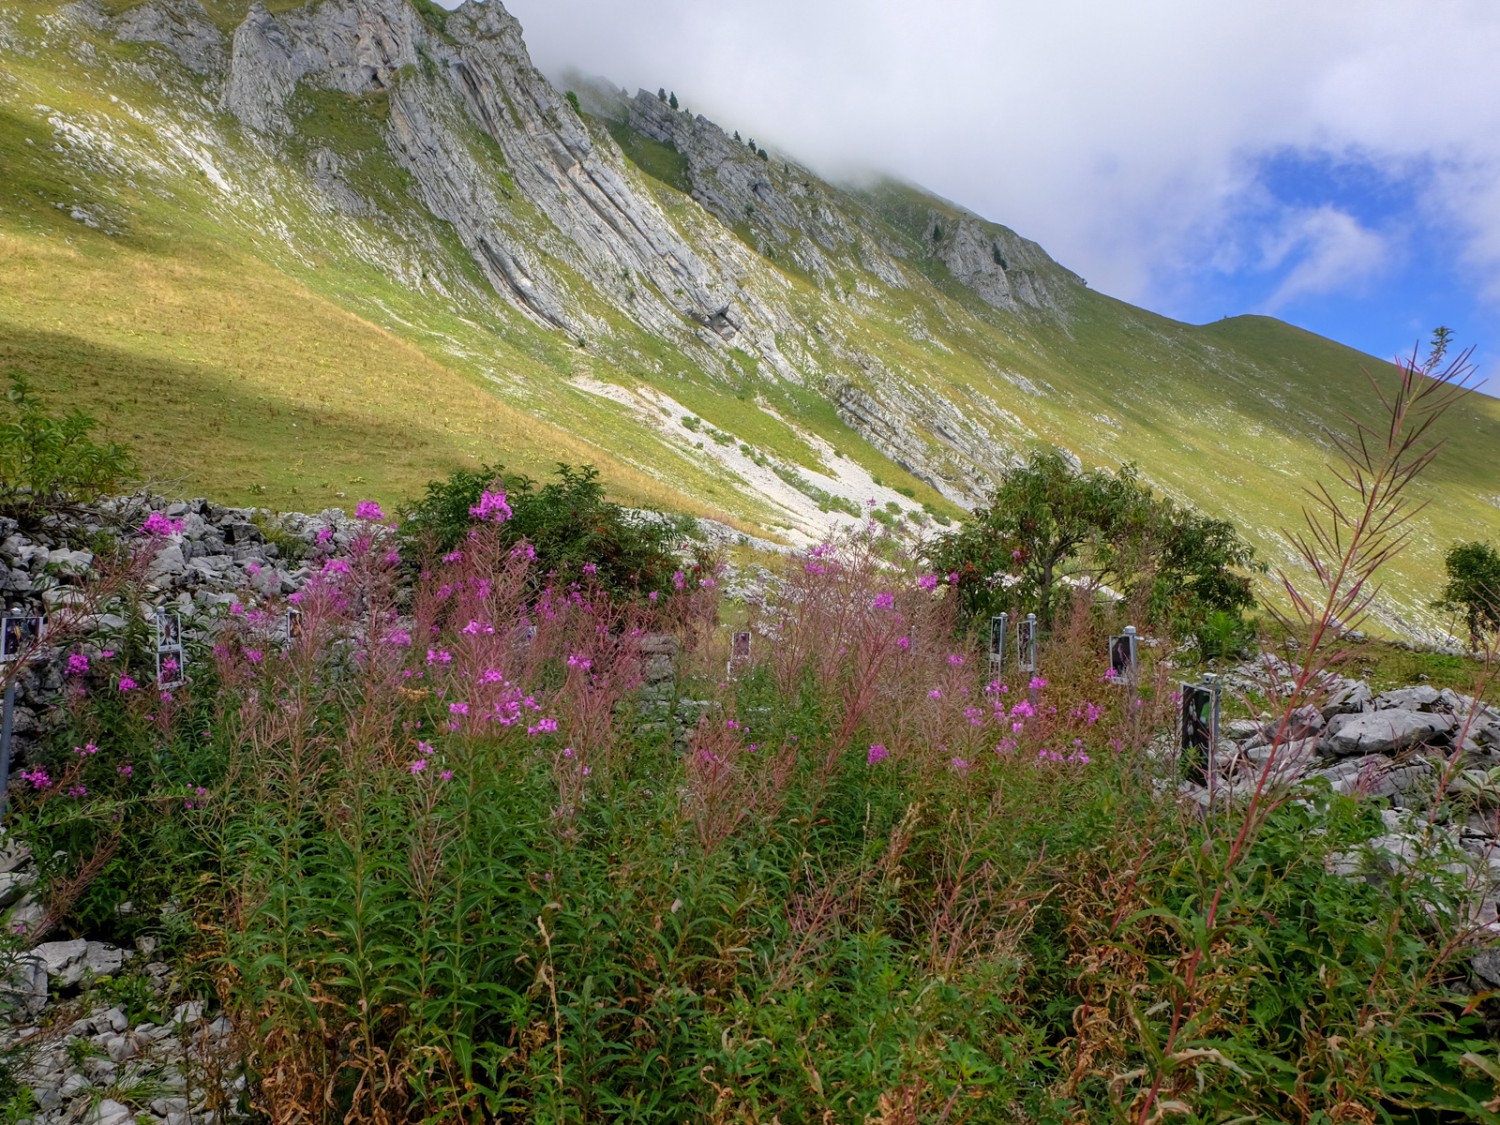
column 568, row 522
column 50, row 463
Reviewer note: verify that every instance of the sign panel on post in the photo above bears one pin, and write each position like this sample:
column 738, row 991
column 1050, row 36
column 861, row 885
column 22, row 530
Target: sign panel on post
column 739, row 653
column 19, row 635
column 1026, row 638
column 1200, row 729
column 170, row 671
column 1124, row 657
column 999, row 626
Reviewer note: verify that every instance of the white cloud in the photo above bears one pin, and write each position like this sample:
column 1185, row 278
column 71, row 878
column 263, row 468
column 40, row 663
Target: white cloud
column 1326, row 251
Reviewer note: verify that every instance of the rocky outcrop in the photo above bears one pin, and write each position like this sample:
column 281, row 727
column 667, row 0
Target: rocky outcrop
column 1004, row 269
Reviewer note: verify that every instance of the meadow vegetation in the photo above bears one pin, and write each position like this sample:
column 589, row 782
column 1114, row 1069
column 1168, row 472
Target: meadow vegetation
column 437, row 868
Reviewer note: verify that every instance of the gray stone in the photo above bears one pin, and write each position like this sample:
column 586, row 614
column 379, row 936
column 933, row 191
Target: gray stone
column 1487, row 966
column 1422, row 697
column 103, row 960
column 167, row 563
column 73, row 1085
column 1350, row 699
column 63, row 960
column 1383, row 732
column 110, row 1112
column 120, row 1048
column 47, row 1097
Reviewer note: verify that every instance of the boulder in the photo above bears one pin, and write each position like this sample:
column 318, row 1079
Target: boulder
column 1383, row 732
column 63, row 960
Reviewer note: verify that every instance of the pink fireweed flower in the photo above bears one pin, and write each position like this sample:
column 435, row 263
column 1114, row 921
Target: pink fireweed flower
column 77, row 791
column 446, row 775
column 651, row 597
column 1023, row 709
column 877, row 753
column 368, row 510
column 78, row 664
column 815, row 568
column 336, row 566
column 883, row 601
column 125, row 770
column 590, row 569
column 1037, row 683
column 955, row 659
column 960, row 765
column 324, row 534
column 158, row 524
column 492, row 507
column 127, row 684
column 928, row 582
column 1109, row 674
column 458, row 708
column 578, row 660
column 418, row 766
column 88, row 749
column 253, row 569
column 398, row 638
column 236, row 609
column 454, row 557
column 679, row 580
column 543, row 726
column 935, row 693
column 392, row 557
column 253, row 655
column 37, row 778
column 474, row 628
column 439, row 656
column 903, row 643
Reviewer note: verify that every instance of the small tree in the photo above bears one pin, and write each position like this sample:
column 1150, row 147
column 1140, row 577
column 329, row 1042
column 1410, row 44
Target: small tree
column 672, row 99
column 1046, row 521
column 661, row 93
column 50, row 463
column 1473, row 587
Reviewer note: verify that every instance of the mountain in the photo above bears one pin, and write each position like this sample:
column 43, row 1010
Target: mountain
column 302, row 254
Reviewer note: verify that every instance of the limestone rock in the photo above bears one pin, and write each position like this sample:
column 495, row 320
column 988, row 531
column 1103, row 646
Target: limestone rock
column 1383, row 732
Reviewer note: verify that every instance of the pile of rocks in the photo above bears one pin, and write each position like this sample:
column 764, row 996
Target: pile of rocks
column 1432, row 756
column 68, row 1041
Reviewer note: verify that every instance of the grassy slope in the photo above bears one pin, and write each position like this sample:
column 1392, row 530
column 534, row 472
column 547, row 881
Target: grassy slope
column 294, row 369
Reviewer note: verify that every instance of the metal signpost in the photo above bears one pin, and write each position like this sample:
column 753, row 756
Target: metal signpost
column 1026, row 638
column 999, row 626
column 20, row 636
column 170, row 664
column 1124, row 657
column 1200, row 729
column 293, row 624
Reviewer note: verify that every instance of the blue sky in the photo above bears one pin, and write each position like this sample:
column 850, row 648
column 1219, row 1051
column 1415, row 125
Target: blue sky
column 1335, row 164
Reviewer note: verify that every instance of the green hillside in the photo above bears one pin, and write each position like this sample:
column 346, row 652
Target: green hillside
column 284, row 317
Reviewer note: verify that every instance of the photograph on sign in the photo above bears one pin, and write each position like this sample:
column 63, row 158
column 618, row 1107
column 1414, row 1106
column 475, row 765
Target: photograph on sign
column 169, row 668
column 168, row 631
column 19, row 635
column 293, row 623
column 1026, row 638
column 1123, row 657
column 739, row 648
